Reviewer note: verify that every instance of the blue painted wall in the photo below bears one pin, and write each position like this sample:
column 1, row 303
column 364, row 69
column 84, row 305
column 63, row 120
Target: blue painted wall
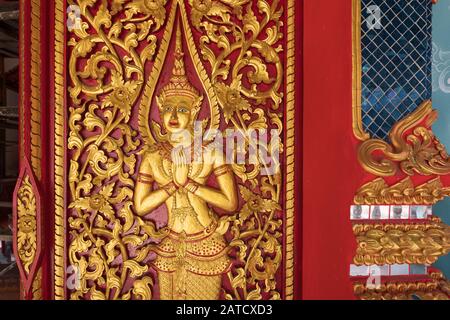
column 441, row 97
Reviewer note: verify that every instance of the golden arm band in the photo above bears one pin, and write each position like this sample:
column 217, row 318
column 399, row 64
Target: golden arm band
column 224, row 169
column 191, row 186
column 145, row 178
column 170, row 188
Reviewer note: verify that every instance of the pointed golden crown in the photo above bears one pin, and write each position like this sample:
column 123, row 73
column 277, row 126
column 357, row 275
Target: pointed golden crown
column 179, row 84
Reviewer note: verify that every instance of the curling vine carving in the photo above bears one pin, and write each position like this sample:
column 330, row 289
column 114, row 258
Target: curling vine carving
column 26, row 224
column 113, row 57
column 414, row 148
column 112, row 45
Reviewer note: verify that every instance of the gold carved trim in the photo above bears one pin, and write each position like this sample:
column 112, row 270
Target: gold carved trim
column 358, row 129
column 408, row 243
column 404, row 192
column 413, row 149
column 37, row 285
column 436, row 288
column 59, row 150
column 26, row 224
column 35, row 119
column 290, row 151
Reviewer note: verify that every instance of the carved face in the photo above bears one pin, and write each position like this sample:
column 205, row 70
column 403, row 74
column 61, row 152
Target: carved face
column 177, row 113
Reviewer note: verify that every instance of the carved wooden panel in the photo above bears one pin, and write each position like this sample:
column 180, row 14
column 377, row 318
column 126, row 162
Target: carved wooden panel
column 132, row 220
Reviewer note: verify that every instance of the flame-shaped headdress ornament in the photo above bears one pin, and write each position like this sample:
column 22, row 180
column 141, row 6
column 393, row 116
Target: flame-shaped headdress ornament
column 179, row 84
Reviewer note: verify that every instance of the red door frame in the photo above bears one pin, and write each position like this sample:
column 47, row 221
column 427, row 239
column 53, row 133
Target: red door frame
column 331, row 173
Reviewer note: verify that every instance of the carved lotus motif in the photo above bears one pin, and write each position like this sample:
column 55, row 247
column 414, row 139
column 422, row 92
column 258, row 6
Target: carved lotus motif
column 26, row 228
column 153, row 8
column 122, row 95
column 230, row 98
column 97, row 202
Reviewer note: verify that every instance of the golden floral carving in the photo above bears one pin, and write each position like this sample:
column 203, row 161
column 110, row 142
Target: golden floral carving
column 26, row 224
column 413, row 148
column 230, row 99
column 435, row 288
column 104, row 229
column 35, row 98
column 108, row 244
column 150, row 8
column 411, row 243
column 248, row 42
column 256, row 221
column 404, row 192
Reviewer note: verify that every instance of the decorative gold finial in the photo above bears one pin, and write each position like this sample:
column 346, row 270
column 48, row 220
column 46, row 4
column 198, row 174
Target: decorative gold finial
column 179, row 84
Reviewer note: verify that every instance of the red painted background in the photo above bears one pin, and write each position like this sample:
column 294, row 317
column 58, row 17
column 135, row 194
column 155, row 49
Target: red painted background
column 331, row 173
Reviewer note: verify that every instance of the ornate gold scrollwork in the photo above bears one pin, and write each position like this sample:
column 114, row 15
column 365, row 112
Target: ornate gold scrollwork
column 37, row 285
column 436, row 288
column 411, row 243
column 104, row 228
column 290, row 150
column 413, row 148
column 26, row 224
column 35, row 74
column 404, row 192
column 255, row 44
column 60, row 150
column 108, row 243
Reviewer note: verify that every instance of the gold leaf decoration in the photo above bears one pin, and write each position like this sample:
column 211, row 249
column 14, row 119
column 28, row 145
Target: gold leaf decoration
column 435, row 288
column 414, row 148
column 26, row 224
column 103, row 146
column 409, row 243
column 404, row 192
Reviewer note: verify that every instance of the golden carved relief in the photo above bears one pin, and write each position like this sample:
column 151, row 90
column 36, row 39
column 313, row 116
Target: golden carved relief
column 411, row 243
column 413, row 149
column 111, row 240
column 35, row 112
column 101, row 187
column 404, row 192
column 290, row 151
column 436, row 288
column 60, row 190
column 26, row 224
column 37, row 285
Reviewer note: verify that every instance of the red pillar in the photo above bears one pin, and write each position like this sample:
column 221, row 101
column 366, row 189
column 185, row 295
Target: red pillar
column 331, row 174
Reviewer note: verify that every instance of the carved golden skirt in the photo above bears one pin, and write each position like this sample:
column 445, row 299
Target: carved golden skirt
column 191, row 266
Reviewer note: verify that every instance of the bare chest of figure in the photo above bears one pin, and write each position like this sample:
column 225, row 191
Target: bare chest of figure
column 186, row 212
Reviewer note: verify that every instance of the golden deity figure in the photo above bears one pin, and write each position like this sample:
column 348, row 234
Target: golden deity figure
column 191, row 260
